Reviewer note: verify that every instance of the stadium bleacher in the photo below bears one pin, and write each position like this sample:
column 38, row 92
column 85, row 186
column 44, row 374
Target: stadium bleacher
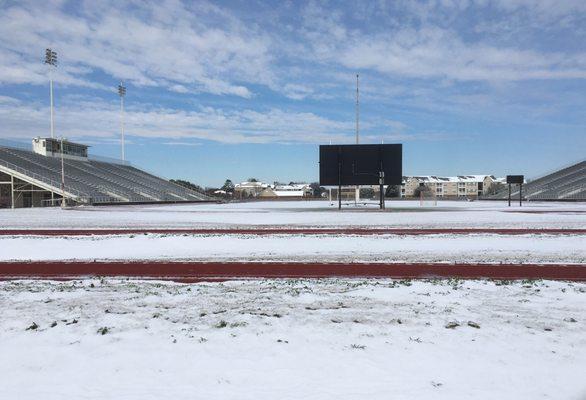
column 91, row 181
column 566, row 184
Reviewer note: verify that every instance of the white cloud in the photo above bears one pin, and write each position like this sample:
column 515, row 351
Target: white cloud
column 178, row 89
column 296, row 91
column 189, row 144
column 168, row 45
column 90, row 118
column 429, row 49
column 432, row 56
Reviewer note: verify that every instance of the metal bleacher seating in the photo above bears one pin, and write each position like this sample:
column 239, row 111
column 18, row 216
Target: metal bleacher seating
column 565, row 184
column 93, row 182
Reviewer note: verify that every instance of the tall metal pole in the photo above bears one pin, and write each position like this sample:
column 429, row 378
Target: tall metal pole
column 12, row 190
column 122, row 93
column 357, row 110
column 51, row 61
column 339, row 178
column 51, row 90
column 63, row 203
column 357, row 193
column 520, row 194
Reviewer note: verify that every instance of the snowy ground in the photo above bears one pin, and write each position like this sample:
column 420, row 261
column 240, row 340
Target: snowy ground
column 481, row 248
column 401, row 214
column 325, row 339
column 389, row 248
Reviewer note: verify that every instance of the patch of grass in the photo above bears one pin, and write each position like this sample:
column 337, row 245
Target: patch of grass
column 103, row 330
column 503, row 282
column 32, row 327
column 358, row 346
column 221, row 324
column 473, row 324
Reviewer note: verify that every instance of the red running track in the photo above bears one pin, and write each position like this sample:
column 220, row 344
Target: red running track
column 208, row 271
column 290, row 231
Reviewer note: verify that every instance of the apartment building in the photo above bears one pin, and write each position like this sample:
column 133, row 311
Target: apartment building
column 451, row 187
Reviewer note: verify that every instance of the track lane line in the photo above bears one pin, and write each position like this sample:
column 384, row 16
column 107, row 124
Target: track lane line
column 196, row 271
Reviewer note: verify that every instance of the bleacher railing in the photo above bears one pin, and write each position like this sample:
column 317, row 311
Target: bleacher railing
column 109, row 160
column 82, row 197
column 50, row 182
column 546, row 192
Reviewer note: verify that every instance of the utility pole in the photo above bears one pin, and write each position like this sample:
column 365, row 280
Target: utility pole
column 51, row 61
column 122, row 93
column 357, row 193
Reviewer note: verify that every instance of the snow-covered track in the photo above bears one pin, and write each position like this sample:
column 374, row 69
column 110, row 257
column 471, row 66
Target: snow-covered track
column 293, row 231
column 209, row 271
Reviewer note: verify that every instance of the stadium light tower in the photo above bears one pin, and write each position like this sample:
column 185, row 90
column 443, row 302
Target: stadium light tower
column 63, row 202
column 357, row 193
column 51, row 61
column 122, row 93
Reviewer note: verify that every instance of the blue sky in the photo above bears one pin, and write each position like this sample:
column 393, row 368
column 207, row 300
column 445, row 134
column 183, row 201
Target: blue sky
column 242, row 89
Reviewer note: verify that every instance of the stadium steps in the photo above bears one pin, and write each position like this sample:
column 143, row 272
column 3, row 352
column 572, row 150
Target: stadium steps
column 139, row 187
column 169, row 188
column 78, row 179
column 568, row 183
column 50, row 183
column 95, row 182
column 129, row 190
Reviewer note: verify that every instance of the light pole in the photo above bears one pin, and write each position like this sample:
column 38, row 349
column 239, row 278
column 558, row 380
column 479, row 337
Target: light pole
column 122, row 93
column 357, row 194
column 51, row 61
column 63, row 203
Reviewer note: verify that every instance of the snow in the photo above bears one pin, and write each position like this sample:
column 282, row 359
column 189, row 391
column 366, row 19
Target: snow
column 293, row 339
column 296, row 339
column 400, row 214
column 382, row 248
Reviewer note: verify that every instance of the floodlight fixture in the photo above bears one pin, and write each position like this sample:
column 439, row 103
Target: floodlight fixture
column 51, row 61
column 51, row 57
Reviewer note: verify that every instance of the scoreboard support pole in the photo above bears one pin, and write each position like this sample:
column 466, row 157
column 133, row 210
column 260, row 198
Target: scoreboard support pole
column 339, row 179
column 381, row 182
column 509, row 194
column 520, row 195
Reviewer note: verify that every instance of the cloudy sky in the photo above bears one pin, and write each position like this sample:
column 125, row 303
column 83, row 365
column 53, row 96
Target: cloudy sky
column 249, row 88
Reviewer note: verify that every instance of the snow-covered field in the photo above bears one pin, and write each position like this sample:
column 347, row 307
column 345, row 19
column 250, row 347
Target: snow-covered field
column 295, row 339
column 482, row 248
column 387, row 248
column 284, row 339
column 401, row 214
